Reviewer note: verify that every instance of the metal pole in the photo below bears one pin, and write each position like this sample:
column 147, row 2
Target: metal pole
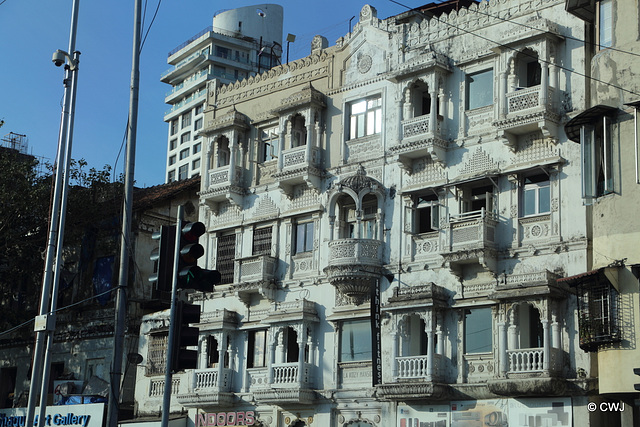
column 166, row 401
column 58, row 260
column 54, row 231
column 125, row 242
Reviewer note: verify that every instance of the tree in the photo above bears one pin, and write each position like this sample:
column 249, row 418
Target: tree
column 25, row 200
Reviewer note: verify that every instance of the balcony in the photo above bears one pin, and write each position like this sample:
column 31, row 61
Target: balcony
column 183, row 68
column 415, row 379
column 531, row 361
column 221, row 184
column 417, row 367
column 471, row 238
column 255, row 274
column 283, row 383
column 299, row 165
column 420, row 135
column 354, row 266
column 207, row 387
column 528, row 110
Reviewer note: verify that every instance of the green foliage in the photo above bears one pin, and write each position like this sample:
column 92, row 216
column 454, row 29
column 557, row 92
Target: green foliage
column 25, row 200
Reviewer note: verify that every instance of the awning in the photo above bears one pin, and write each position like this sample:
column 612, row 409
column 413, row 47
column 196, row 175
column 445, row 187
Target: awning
column 610, row 274
column 572, row 128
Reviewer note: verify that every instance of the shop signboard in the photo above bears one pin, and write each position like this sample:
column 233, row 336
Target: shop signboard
column 231, row 418
column 89, row 415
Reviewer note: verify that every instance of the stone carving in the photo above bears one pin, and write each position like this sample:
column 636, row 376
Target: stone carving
column 364, row 63
column 479, row 161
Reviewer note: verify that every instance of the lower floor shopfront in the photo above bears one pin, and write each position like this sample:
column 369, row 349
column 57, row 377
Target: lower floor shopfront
column 329, row 411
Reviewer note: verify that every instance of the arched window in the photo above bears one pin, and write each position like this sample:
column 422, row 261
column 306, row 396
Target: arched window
column 224, row 153
column 298, row 131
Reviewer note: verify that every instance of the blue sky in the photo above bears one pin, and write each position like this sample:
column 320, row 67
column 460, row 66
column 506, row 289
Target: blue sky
column 31, row 86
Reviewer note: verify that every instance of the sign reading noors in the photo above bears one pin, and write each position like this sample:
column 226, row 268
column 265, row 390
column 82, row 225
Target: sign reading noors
column 239, row 419
column 65, row 415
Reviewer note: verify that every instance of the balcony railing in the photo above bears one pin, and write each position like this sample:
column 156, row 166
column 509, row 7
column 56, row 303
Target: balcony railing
column 220, row 176
column 297, row 156
column 472, row 229
column 355, row 251
column 527, row 99
column 419, row 126
column 257, row 268
column 286, row 374
column 156, row 387
column 210, row 379
column 417, row 366
column 529, row 360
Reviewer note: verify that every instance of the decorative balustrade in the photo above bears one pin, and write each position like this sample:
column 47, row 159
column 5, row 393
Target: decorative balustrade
column 286, row 373
column 156, row 387
column 210, row 379
column 257, row 378
column 529, row 360
column 526, row 99
column 256, row 268
column 416, row 126
column 417, row 366
column 535, row 228
column 355, row 251
column 220, row 176
column 474, row 229
column 298, row 156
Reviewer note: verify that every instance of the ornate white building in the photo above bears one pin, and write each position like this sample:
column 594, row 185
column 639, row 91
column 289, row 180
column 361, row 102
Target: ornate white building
column 420, row 162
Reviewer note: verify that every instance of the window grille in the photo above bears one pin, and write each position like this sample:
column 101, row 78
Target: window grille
column 262, row 241
column 226, row 257
column 598, row 313
column 157, row 356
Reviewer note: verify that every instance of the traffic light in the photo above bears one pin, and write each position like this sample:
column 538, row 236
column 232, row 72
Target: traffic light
column 185, row 336
column 162, row 256
column 190, row 276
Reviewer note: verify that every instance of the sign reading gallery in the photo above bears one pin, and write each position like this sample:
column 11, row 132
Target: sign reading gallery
column 66, row 415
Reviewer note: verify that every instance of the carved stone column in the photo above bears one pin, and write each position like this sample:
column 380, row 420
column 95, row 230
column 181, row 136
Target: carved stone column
column 430, row 348
column 433, row 115
column 502, row 349
column 302, row 339
column 546, row 345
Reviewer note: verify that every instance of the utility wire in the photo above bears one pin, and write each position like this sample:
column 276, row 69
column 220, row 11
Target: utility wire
column 522, row 52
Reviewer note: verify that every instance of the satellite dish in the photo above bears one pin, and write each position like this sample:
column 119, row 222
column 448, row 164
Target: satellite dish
column 261, row 13
column 134, row 358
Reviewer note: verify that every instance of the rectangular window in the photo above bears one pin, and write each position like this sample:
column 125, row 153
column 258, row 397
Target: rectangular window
column 219, row 71
column 157, row 353
column 183, row 172
column 269, row 143
column 257, row 349
column 186, row 120
column 174, row 127
column 477, row 331
column 479, row 89
column 536, row 196
column 185, row 137
column 355, row 341
column 427, row 215
column 195, row 165
column 197, row 148
column 597, row 159
column 172, row 160
column 223, row 52
column 199, row 109
column 605, row 24
column 225, row 257
column 304, row 237
column 197, row 125
column 184, row 154
column 173, row 144
column 262, row 241
column 365, row 117
column 171, row 176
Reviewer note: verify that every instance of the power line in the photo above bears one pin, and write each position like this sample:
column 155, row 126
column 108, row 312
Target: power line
column 522, row 52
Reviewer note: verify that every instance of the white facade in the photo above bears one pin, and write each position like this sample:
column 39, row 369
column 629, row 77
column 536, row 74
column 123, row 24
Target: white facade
column 422, row 157
column 240, row 43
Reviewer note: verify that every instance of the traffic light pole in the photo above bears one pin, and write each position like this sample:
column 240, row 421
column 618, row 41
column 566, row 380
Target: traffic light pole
column 166, row 401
